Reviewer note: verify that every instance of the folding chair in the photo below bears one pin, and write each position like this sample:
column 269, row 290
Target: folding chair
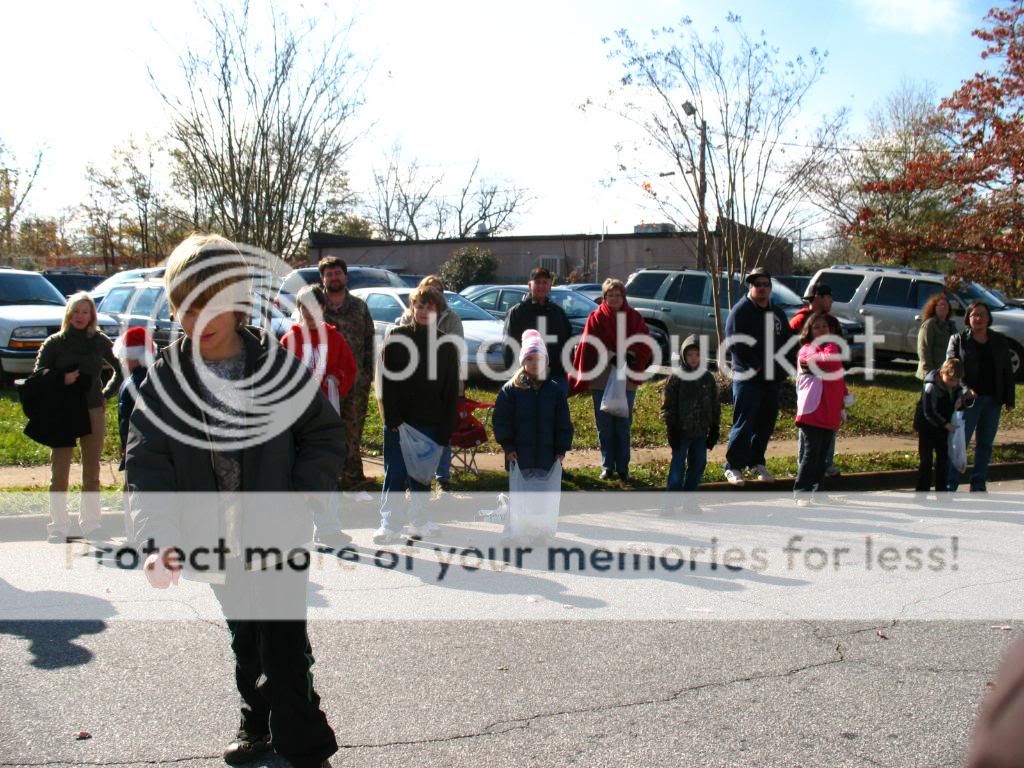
column 469, row 434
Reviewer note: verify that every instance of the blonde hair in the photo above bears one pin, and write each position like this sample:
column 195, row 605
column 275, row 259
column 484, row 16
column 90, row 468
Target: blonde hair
column 612, row 284
column 204, row 268
column 69, row 309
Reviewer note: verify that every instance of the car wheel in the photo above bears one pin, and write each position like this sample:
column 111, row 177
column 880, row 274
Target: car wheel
column 1016, row 360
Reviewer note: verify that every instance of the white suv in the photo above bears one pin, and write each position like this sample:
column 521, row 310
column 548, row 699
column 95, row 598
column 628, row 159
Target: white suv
column 893, row 298
column 30, row 310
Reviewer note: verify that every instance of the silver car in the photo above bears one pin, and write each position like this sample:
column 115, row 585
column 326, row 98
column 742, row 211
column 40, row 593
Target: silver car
column 484, row 334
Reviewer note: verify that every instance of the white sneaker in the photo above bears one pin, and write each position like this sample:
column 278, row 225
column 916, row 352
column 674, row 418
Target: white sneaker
column 422, row 530
column 803, row 502
column 386, row 536
column 762, row 475
column 734, row 478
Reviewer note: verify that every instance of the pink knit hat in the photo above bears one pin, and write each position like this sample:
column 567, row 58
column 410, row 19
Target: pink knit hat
column 533, row 344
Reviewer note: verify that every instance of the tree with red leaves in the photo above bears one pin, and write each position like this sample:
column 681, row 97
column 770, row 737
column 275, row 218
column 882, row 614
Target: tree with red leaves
column 979, row 173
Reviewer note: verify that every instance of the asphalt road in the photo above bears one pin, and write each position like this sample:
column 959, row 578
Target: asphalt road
column 780, row 666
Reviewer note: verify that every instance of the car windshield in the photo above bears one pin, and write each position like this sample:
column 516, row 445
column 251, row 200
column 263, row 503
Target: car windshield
column 968, row 292
column 575, row 304
column 29, row 289
column 466, row 309
column 784, row 296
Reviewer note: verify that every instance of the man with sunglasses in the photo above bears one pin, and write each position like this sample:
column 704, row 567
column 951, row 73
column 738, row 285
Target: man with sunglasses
column 756, row 377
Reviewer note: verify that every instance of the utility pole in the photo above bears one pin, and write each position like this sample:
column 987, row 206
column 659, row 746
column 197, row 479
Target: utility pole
column 702, row 188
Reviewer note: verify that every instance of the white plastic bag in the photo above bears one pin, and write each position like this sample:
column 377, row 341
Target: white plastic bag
column 499, row 514
column 614, row 400
column 958, row 443
column 333, row 395
column 421, row 454
column 534, row 497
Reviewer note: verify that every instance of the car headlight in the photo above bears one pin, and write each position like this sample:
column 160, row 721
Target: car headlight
column 30, row 332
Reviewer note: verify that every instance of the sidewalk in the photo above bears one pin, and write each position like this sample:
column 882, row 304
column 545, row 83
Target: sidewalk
column 373, row 466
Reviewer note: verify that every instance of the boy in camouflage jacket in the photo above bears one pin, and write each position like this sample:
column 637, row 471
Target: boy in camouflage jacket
column 691, row 412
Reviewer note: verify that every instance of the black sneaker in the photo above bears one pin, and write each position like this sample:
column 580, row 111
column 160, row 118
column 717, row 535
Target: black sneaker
column 245, row 749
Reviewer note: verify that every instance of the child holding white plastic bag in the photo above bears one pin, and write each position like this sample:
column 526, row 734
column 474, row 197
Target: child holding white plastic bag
column 418, row 389
column 531, row 423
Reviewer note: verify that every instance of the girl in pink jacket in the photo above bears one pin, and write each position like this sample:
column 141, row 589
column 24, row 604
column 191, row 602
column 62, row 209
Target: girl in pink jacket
column 821, row 399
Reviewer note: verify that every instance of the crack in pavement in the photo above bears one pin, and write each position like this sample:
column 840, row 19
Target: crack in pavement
column 500, row 727
column 165, row 761
column 909, row 605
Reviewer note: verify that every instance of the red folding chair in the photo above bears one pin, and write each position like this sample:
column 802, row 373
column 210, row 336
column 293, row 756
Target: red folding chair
column 469, row 434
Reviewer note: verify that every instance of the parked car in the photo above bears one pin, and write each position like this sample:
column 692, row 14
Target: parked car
column 481, row 330
column 100, row 291
column 796, row 283
column 1019, row 303
column 411, row 280
column 358, row 277
column 499, row 299
column 680, row 303
column 893, row 298
column 71, row 281
column 591, row 290
column 31, row 309
column 144, row 303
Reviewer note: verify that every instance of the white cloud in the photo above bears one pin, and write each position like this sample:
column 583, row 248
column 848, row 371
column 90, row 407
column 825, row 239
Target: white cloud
column 917, row 17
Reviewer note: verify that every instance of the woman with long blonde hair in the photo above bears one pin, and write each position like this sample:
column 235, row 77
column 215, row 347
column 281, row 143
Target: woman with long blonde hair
column 80, row 349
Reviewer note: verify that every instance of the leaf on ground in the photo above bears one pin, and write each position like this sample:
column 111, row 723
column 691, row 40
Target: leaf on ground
column 83, row 735
column 1002, row 627
column 881, row 635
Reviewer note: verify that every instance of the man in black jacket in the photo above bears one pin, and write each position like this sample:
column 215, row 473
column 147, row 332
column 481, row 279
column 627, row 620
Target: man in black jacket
column 755, row 388
column 537, row 312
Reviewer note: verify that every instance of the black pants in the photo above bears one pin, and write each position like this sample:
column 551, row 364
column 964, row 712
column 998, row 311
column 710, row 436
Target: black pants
column 933, row 450
column 811, row 470
column 273, row 660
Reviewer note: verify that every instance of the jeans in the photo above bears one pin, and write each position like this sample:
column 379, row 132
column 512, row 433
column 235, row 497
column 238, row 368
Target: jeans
column 755, row 409
column 830, row 456
column 396, row 480
column 444, row 467
column 933, row 452
column 982, row 419
column 811, row 469
column 327, row 518
column 689, row 459
column 613, row 434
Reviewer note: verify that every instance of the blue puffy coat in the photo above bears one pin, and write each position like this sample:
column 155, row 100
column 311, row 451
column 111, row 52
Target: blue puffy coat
column 533, row 421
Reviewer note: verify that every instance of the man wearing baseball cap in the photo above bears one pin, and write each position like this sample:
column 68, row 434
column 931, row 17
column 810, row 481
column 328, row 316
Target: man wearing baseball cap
column 756, row 396
column 537, row 312
column 819, row 299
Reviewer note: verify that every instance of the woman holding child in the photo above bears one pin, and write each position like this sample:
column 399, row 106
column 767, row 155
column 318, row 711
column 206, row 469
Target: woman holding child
column 988, row 374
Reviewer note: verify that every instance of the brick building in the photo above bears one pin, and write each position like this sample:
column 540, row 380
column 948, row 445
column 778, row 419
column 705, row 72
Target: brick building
column 594, row 257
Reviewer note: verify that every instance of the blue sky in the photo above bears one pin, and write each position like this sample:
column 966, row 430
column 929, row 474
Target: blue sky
column 454, row 80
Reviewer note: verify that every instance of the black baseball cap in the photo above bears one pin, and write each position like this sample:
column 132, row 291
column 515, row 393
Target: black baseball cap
column 819, row 289
column 540, row 272
column 757, row 272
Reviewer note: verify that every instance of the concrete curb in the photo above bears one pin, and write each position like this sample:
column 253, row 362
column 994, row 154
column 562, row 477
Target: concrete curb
column 33, row 527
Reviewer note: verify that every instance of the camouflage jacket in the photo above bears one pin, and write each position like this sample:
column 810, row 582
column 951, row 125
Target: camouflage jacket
column 353, row 319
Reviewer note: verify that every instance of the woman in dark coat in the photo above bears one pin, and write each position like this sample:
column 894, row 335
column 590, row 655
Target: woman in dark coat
column 80, row 349
column 988, row 372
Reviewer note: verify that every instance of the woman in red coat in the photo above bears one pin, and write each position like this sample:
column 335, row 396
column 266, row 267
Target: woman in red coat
column 618, row 330
column 321, row 347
